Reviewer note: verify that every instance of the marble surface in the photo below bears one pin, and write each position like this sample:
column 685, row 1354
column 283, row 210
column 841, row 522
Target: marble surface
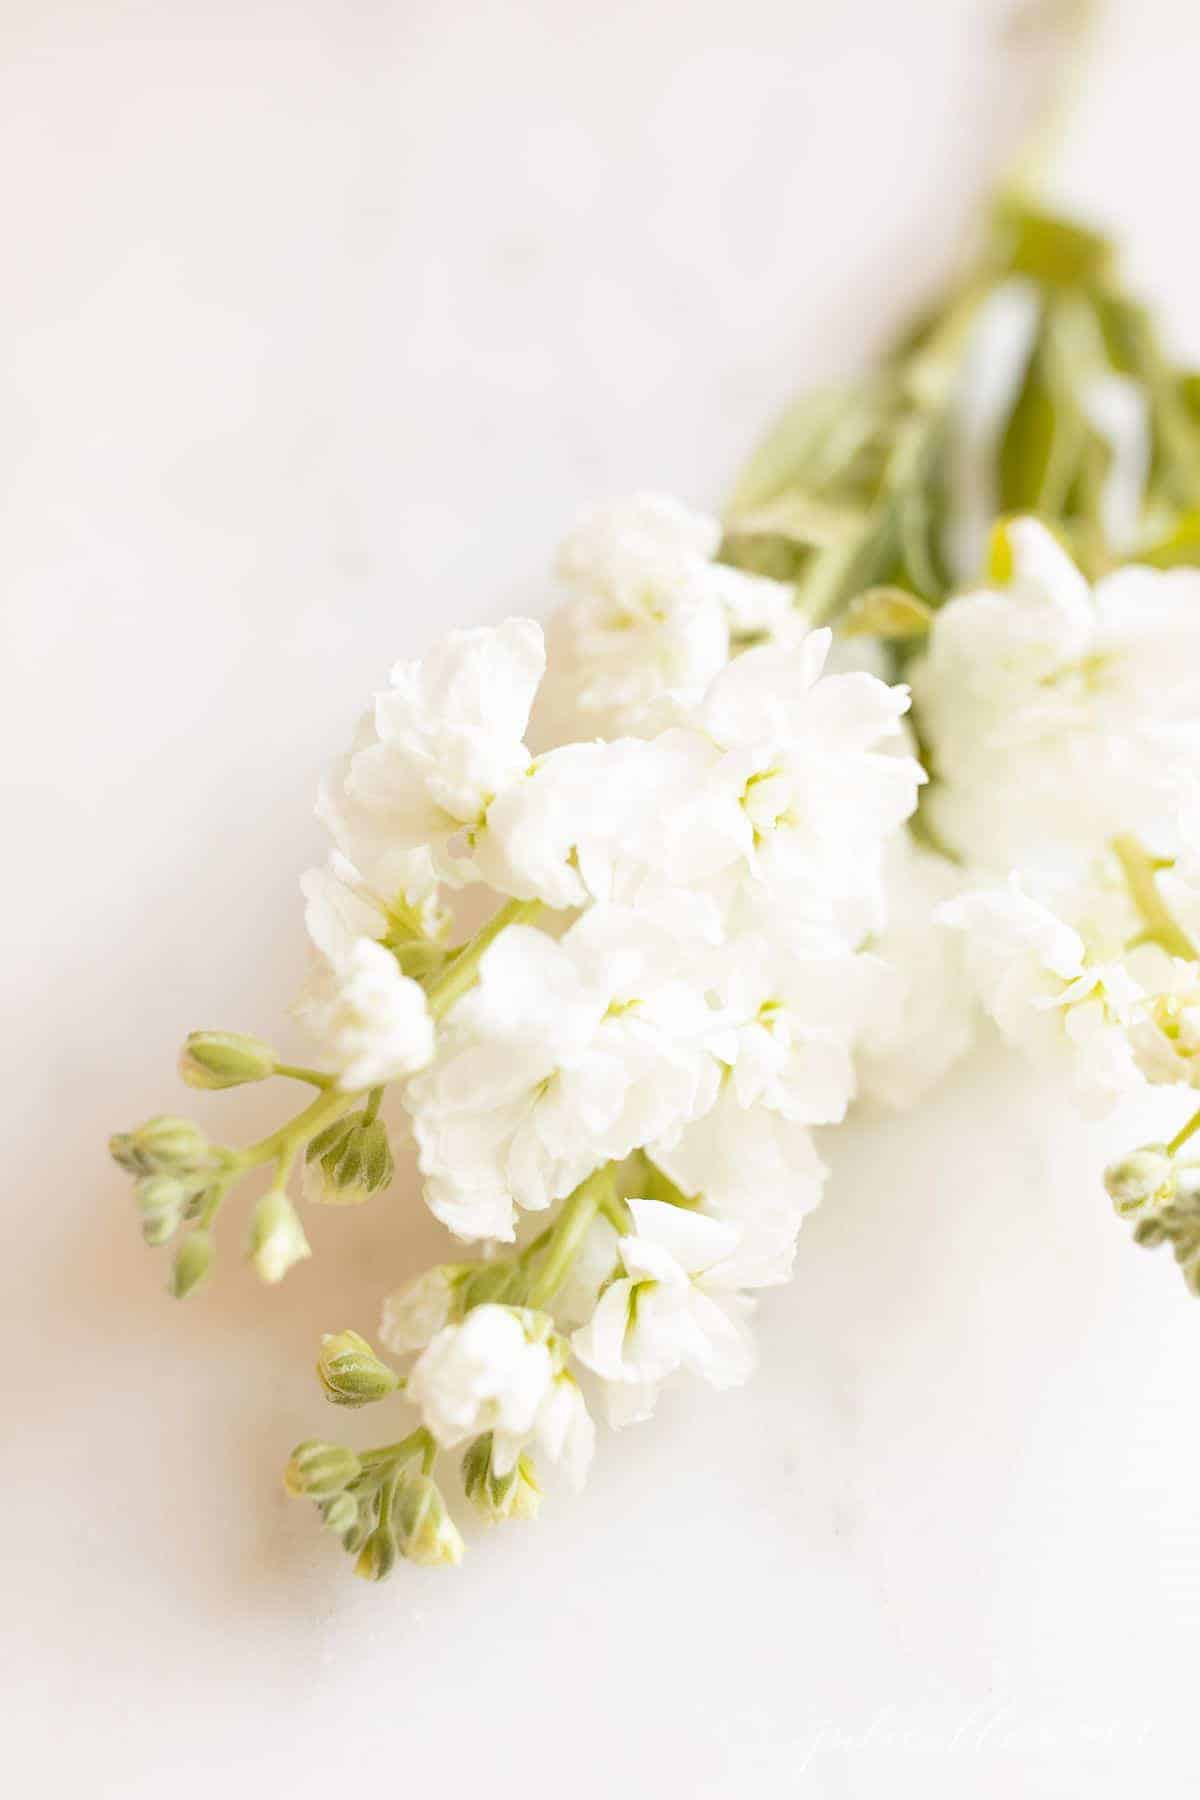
column 320, row 320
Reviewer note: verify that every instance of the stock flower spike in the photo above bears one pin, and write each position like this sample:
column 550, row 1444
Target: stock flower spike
column 777, row 813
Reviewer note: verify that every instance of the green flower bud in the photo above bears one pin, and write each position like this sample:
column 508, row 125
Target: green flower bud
column 124, row 1152
column 163, row 1144
column 341, row 1516
column 320, row 1470
column 1142, row 1181
column 426, row 1532
column 162, row 1200
column 223, row 1059
column 515, row 1495
column 351, row 1373
column 356, row 1534
column 349, row 1161
column 377, row 1558
column 277, row 1240
column 193, row 1260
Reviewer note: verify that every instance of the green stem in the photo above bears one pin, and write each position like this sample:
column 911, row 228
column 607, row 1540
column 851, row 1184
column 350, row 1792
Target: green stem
column 371, row 1110
column 387, row 1495
column 1140, row 870
column 294, row 1072
column 617, row 1212
column 570, row 1229
column 212, row 1203
column 460, row 972
column 287, row 1140
column 415, row 1444
column 1181, row 1137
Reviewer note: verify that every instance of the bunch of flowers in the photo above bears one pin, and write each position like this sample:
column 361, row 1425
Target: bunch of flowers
column 775, row 811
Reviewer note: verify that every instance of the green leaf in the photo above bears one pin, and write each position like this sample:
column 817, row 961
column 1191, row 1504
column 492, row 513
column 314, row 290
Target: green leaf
column 1062, row 252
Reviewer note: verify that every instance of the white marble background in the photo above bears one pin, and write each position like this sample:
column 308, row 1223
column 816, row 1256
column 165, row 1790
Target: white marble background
column 319, row 321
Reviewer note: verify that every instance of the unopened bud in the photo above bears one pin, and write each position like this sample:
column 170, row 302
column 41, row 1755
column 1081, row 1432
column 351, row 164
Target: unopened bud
column 123, row 1151
column 162, row 1145
column 193, row 1260
column 351, row 1373
column 1143, row 1180
column 341, row 1515
column 349, row 1161
column 277, row 1240
column 426, row 1532
column 223, row 1059
column 377, row 1558
column 513, row 1495
column 320, row 1470
column 161, row 1200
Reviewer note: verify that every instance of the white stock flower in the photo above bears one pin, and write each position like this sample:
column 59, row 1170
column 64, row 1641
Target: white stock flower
column 445, row 739
column 415, row 1313
column 394, row 873
column 339, row 909
column 565, row 1054
column 647, row 619
column 675, row 1307
column 924, row 1013
column 1033, row 974
column 491, row 1373
column 753, row 1170
column 496, row 1372
column 786, row 778
column 1044, row 703
column 789, row 1014
column 584, row 825
column 1166, row 1028
column 370, row 1019
column 564, row 1431
column 779, row 779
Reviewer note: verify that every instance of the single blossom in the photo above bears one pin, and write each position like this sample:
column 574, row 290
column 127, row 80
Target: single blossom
column 752, row 1170
column 647, row 616
column 1034, row 976
column 496, row 1372
column 1044, row 704
column 791, row 1006
column 446, row 737
column 790, row 783
column 567, row 1054
column 371, row 1021
column 1165, row 1025
column 676, row 1306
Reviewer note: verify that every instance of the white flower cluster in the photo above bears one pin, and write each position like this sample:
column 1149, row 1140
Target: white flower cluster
column 707, row 930
column 673, row 989
column 1055, row 715
column 1063, row 729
